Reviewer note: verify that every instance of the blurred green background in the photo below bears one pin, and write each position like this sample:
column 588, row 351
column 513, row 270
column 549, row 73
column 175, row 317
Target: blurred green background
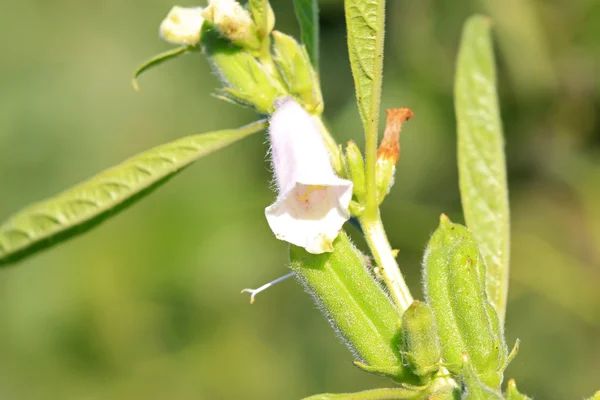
column 148, row 306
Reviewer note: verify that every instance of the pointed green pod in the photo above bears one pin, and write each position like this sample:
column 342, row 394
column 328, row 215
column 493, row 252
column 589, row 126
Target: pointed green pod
column 298, row 74
column 455, row 289
column 354, row 303
column 420, row 344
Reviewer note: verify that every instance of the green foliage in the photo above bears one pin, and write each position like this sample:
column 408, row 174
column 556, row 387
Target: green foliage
column 357, row 306
column 375, row 394
column 420, row 346
column 353, row 301
column 81, row 208
column 159, row 59
column 365, row 21
column 454, row 276
column 307, row 13
column 481, row 163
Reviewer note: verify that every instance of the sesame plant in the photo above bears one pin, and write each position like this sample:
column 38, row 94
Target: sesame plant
column 449, row 345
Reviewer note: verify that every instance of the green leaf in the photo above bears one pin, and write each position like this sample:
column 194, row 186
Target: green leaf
column 352, row 300
column 307, row 13
column 481, row 164
column 159, row 59
column 375, row 394
column 365, row 22
column 86, row 205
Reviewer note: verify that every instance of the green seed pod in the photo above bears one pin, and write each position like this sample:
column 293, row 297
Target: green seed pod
column 355, row 166
column 354, row 303
column 420, row 344
column 455, row 291
column 297, row 72
column 247, row 81
column 473, row 387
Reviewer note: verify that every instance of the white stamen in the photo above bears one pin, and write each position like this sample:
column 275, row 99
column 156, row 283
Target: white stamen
column 254, row 292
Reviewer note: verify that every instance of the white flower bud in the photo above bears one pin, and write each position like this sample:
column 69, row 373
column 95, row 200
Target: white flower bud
column 312, row 204
column 182, row 25
column 233, row 21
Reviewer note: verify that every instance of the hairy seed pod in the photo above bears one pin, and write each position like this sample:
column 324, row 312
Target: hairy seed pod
column 455, row 291
column 420, row 344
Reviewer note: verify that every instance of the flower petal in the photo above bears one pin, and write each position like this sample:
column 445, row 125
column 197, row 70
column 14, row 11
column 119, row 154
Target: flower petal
column 312, row 204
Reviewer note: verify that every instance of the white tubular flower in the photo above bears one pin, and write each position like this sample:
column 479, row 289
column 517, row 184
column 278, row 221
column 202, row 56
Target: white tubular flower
column 312, row 204
column 182, row 25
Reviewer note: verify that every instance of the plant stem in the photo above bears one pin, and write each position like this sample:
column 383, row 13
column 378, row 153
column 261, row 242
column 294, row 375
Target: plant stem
column 382, row 252
column 371, row 133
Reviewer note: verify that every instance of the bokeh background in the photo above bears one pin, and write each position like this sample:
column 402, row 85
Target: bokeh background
column 148, row 305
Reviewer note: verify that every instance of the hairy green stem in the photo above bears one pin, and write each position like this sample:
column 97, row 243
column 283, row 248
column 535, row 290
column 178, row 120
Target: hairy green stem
column 382, row 252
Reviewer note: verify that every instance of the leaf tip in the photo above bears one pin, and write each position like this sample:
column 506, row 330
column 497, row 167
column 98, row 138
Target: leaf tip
column 135, row 84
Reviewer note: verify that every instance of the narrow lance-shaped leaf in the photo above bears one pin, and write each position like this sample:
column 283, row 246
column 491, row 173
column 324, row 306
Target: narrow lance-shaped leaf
column 307, row 13
column 365, row 25
column 159, row 59
column 375, row 394
column 481, row 164
column 54, row 220
column 352, row 300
